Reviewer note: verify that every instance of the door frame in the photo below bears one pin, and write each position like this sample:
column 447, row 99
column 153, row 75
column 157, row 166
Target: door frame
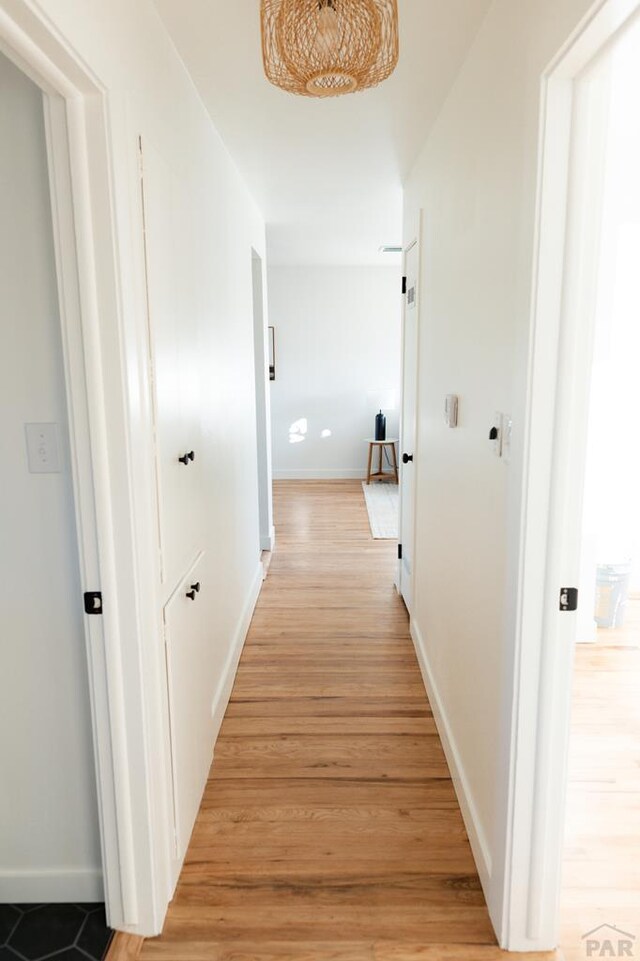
column 108, row 410
column 416, row 241
column 263, row 401
column 554, row 447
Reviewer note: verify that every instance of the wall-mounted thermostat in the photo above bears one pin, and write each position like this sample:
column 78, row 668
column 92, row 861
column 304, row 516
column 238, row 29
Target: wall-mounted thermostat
column 451, row 410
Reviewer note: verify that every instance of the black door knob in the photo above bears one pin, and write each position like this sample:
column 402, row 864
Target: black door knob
column 406, row 458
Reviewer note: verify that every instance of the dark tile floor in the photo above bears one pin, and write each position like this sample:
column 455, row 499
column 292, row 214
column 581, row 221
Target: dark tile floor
column 66, row 932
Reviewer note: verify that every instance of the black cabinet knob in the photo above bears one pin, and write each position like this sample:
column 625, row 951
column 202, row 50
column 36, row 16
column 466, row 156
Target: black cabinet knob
column 187, row 458
column 407, row 458
column 191, row 455
column 191, row 595
column 196, row 587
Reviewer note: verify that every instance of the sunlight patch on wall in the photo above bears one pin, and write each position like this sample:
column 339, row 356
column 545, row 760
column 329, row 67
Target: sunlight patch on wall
column 298, row 431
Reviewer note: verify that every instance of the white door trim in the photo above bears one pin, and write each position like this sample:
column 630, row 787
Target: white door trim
column 263, row 400
column 101, row 349
column 114, row 811
column 555, row 412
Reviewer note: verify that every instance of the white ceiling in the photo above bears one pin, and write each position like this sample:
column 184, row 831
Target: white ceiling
column 326, row 174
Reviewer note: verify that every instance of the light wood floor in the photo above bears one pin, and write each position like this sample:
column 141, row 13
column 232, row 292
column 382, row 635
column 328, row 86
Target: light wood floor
column 602, row 853
column 329, row 829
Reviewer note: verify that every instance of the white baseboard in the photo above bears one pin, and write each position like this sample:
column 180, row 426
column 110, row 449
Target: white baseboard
column 328, row 473
column 223, row 693
column 51, row 887
column 477, row 837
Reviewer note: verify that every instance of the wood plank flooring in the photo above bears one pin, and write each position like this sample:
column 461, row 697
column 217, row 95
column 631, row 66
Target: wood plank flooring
column 329, row 830
column 602, row 845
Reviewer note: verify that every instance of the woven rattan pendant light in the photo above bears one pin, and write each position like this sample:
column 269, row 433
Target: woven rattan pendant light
column 324, row 48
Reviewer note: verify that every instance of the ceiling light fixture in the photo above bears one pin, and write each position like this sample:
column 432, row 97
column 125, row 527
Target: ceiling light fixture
column 325, row 48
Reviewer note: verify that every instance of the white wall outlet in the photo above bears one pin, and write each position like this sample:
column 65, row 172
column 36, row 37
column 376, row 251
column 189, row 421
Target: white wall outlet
column 451, row 410
column 495, row 435
column 507, row 435
column 43, row 449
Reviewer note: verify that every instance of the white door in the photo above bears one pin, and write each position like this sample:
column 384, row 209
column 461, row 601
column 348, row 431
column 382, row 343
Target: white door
column 188, row 644
column 263, row 410
column 192, row 660
column 173, row 336
column 408, row 429
column 568, row 298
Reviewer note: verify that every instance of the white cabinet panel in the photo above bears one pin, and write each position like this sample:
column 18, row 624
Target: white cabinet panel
column 192, row 684
column 173, row 335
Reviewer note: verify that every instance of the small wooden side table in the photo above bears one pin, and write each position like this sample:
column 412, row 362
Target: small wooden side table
column 380, row 473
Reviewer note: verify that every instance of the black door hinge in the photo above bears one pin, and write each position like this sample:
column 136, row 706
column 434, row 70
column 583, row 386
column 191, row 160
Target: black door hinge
column 93, row 602
column 404, row 285
column 568, row 598
column 399, row 552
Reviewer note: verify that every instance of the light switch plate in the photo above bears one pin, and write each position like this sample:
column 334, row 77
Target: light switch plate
column 43, row 448
column 451, row 410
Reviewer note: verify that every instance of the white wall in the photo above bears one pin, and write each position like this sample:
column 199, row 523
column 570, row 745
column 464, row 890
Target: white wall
column 48, row 807
column 149, row 92
column 476, row 180
column 337, row 333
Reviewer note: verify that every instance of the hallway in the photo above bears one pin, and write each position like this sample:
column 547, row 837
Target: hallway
column 329, row 828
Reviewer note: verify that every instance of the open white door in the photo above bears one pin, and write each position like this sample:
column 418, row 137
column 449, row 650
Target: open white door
column 570, row 241
column 409, row 421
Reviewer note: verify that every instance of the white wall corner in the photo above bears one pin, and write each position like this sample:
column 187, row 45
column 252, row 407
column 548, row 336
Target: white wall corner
column 477, row 837
column 223, row 692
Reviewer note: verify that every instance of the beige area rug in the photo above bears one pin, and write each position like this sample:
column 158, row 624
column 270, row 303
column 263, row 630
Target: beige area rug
column 383, row 503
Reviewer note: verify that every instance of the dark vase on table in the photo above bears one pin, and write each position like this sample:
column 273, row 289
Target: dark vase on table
column 381, row 427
